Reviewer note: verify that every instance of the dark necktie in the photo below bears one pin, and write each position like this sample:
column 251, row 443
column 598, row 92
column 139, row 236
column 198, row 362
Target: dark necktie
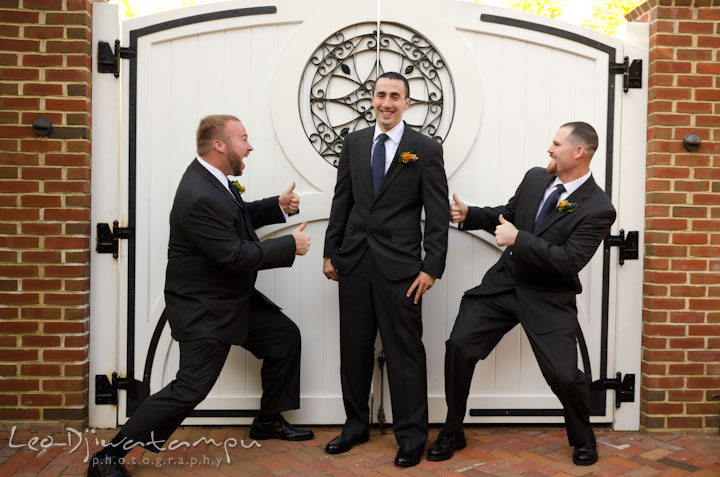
column 549, row 205
column 377, row 167
column 243, row 209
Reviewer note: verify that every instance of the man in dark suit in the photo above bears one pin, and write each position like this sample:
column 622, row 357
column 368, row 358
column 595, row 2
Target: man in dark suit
column 551, row 227
column 386, row 175
column 211, row 303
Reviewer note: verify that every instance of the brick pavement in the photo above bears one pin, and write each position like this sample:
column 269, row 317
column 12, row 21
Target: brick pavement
column 492, row 450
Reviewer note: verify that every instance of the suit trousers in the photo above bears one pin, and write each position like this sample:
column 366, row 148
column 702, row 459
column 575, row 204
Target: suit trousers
column 272, row 337
column 368, row 302
column 481, row 322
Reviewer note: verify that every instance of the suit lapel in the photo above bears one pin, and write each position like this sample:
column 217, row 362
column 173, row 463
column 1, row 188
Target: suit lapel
column 363, row 158
column 212, row 180
column 406, row 144
column 536, row 194
column 582, row 193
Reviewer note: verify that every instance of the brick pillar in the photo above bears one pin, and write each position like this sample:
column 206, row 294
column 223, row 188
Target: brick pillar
column 681, row 310
column 44, row 213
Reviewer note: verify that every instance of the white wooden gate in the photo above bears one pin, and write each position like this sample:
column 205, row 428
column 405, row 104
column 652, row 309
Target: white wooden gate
column 507, row 81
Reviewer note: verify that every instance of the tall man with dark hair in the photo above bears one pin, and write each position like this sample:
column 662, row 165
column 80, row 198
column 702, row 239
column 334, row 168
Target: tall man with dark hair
column 211, row 303
column 551, row 228
column 386, row 175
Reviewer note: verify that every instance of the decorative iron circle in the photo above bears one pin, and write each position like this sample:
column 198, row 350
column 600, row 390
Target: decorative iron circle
column 336, row 87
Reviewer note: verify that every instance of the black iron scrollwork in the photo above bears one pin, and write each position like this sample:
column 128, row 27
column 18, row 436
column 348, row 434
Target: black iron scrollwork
column 338, row 81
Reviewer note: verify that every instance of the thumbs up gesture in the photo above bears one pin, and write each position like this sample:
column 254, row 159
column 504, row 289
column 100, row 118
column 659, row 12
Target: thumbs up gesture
column 289, row 200
column 458, row 210
column 505, row 233
column 302, row 240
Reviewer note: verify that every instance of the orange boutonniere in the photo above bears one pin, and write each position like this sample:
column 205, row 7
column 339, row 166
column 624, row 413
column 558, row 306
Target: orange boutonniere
column 566, row 206
column 407, row 156
column 238, row 186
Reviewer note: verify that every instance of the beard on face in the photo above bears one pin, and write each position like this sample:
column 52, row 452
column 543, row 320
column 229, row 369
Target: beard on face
column 235, row 161
column 552, row 166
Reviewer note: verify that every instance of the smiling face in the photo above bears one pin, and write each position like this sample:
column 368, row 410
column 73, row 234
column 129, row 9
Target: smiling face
column 389, row 101
column 237, row 146
column 565, row 155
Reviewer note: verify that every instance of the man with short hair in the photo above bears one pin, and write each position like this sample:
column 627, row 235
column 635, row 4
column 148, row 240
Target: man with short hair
column 551, row 227
column 386, row 175
column 211, row 303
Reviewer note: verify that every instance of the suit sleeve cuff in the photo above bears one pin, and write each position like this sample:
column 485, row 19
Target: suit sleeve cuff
column 285, row 216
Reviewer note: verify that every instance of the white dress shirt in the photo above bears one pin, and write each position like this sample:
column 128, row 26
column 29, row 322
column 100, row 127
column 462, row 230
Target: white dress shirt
column 391, row 143
column 217, row 173
column 570, row 187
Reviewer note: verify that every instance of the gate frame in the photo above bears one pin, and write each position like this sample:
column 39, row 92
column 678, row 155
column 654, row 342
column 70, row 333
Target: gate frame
column 106, row 137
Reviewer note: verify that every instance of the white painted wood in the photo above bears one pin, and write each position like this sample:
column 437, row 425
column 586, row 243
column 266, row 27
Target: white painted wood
column 104, row 274
column 337, row 16
column 533, row 88
column 631, row 190
column 168, row 70
column 513, row 89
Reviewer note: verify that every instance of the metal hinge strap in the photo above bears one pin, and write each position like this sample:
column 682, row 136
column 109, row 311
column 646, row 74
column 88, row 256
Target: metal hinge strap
column 107, row 240
column 624, row 388
column 109, row 60
column 106, row 391
column 629, row 245
column 632, row 73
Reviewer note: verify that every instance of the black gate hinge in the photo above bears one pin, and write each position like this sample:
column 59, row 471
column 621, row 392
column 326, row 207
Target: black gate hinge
column 632, row 73
column 106, row 390
column 624, row 388
column 109, row 60
column 107, row 240
column 629, row 245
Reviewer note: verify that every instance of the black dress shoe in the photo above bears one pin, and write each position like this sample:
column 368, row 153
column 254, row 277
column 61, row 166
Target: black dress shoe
column 445, row 445
column 278, row 428
column 343, row 443
column 106, row 467
column 586, row 453
column 409, row 458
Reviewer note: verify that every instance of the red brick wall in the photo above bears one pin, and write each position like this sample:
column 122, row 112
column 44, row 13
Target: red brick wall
column 44, row 213
column 681, row 310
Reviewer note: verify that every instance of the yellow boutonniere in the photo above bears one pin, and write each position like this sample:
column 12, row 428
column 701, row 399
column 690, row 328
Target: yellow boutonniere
column 407, row 156
column 566, row 206
column 240, row 188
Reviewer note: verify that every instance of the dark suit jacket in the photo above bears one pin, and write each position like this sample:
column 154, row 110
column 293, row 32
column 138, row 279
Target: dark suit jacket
column 389, row 223
column 214, row 256
column 543, row 267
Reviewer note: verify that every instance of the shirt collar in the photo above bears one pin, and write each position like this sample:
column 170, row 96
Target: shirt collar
column 572, row 186
column 395, row 134
column 214, row 171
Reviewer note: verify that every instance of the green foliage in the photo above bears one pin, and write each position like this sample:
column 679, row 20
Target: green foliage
column 608, row 15
column 129, row 9
column 546, row 8
column 132, row 8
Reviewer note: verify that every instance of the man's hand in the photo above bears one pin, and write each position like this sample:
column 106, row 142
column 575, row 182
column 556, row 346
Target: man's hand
column 302, row 240
column 423, row 283
column 505, row 233
column 329, row 270
column 289, row 200
column 458, row 210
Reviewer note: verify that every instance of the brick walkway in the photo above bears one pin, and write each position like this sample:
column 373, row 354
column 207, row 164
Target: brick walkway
column 492, row 450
